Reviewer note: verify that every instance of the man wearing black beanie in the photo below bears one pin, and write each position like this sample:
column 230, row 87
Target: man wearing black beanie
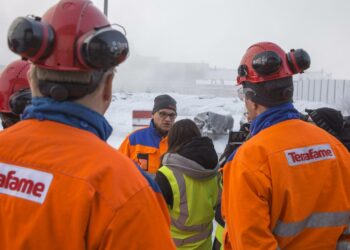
column 145, row 146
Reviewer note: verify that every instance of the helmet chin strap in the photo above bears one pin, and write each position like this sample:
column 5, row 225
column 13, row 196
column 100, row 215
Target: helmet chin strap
column 61, row 91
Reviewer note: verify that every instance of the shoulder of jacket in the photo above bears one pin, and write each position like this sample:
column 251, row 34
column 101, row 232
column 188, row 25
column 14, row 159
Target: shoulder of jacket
column 139, row 133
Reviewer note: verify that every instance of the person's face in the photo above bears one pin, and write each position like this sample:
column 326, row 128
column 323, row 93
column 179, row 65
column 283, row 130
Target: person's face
column 164, row 119
column 252, row 109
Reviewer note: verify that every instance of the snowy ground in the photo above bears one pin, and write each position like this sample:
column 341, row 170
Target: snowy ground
column 120, row 112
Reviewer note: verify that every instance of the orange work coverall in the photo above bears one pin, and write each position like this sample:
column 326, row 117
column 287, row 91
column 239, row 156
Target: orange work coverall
column 64, row 188
column 288, row 187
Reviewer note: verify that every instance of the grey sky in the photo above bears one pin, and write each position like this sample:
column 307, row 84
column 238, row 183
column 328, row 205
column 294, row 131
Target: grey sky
column 219, row 31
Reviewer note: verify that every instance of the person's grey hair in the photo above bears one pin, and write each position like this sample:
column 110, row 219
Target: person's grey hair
column 59, row 76
column 39, row 74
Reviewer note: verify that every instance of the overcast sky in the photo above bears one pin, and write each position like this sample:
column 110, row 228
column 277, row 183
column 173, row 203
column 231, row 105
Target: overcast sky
column 218, row 31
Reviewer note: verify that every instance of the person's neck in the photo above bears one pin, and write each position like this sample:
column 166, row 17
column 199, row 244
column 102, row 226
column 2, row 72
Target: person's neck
column 161, row 132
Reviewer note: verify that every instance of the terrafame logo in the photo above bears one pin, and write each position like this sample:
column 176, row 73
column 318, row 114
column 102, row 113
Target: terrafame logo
column 299, row 156
column 24, row 183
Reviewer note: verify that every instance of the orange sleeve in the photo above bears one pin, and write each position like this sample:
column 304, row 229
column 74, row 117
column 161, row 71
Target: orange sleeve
column 246, row 208
column 124, row 148
column 141, row 223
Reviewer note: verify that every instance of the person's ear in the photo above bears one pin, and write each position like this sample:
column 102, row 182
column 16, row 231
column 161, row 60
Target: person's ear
column 255, row 106
column 29, row 76
column 107, row 88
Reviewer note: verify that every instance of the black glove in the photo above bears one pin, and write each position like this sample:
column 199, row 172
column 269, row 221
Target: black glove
column 245, row 127
column 235, row 139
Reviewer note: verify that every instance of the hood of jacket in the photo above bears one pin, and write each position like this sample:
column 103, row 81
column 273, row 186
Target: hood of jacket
column 197, row 159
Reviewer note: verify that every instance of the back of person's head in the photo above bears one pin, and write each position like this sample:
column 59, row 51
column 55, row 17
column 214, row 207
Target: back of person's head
column 72, row 46
column 329, row 119
column 266, row 73
column 182, row 132
column 15, row 92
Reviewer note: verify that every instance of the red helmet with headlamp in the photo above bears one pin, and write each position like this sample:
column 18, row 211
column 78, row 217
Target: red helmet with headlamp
column 266, row 61
column 14, row 88
column 71, row 36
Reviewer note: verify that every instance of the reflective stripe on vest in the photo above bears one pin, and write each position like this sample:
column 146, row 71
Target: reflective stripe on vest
column 219, row 234
column 343, row 245
column 181, row 220
column 347, row 231
column 198, row 237
column 316, row 220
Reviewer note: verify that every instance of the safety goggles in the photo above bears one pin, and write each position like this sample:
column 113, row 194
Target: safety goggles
column 244, row 93
column 264, row 63
column 19, row 100
column 164, row 115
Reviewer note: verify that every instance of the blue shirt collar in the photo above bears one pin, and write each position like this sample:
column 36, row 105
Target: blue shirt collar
column 273, row 116
column 69, row 113
column 270, row 117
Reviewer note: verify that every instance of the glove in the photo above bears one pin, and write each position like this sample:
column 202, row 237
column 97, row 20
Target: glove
column 235, row 139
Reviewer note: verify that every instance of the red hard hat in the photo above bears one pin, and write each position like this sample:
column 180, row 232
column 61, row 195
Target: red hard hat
column 266, row 61
column 12, row 79
column 73, row 35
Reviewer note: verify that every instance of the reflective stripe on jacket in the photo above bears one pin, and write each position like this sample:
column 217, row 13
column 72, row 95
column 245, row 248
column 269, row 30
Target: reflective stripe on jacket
column 220, row 224
column 145, row 146
column 77, row 192
column 193, row 209
column 288, row 188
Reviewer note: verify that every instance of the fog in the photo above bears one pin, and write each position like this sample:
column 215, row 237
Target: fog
column 216, row 33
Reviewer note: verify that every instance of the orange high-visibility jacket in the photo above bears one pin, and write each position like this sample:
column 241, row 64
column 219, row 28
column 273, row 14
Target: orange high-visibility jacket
column 63, row 188
column 288, row 187
column 145, row 146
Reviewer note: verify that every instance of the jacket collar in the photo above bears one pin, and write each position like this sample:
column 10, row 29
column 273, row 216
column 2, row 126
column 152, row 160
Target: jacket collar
column 270, row 117
column 155, row 131
column 273, row 116
column 68, row 113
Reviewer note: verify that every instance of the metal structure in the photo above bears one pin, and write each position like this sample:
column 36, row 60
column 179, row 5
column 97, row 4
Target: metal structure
column 105, row 7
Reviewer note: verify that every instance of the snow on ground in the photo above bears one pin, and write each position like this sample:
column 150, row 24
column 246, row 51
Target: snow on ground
column 188, row 106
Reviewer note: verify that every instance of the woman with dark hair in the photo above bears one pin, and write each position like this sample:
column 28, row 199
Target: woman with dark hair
column 188, row 180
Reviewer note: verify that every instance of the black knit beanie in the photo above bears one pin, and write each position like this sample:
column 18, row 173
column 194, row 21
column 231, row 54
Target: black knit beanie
column 164, row 102
column 329, row 119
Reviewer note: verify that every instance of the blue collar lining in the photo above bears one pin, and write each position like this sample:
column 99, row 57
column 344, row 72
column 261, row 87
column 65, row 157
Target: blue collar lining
column 69, row 113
